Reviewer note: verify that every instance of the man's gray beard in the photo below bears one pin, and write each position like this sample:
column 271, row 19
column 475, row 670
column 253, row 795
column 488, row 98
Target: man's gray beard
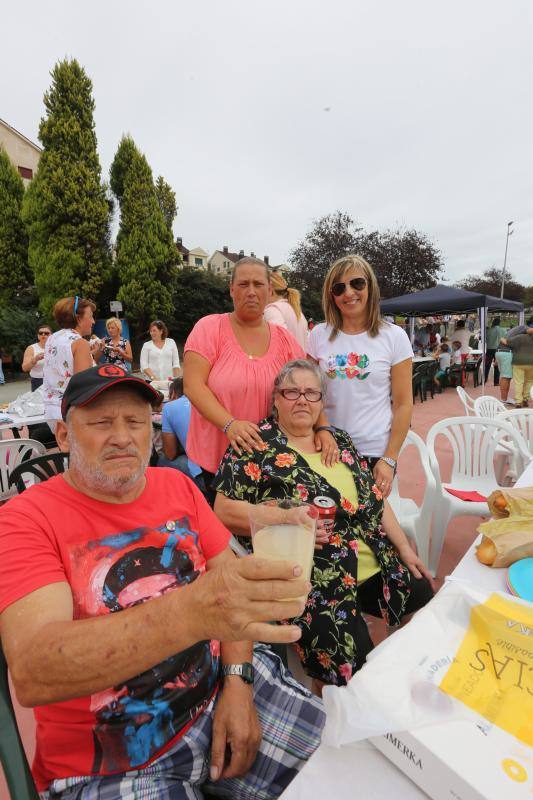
column 97, row 480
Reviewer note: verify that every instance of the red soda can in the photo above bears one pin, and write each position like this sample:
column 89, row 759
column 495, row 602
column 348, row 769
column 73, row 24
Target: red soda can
column 326, row 513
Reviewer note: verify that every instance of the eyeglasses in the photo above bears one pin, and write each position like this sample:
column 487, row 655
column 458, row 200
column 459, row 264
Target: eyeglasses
column 44, row 333
column 356, row 283
column 311, row 395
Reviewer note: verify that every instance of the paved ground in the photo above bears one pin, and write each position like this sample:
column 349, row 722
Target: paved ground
column 11, row 389
column 459, row 537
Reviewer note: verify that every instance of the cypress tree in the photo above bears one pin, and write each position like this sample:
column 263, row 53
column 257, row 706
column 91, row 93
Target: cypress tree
column 16, row 279
column 147, row 258
column 66, row 208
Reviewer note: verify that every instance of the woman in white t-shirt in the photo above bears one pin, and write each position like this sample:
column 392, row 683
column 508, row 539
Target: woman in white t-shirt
column 160, row 359
column 284, row 309
column 33, row 361
column 368, row 363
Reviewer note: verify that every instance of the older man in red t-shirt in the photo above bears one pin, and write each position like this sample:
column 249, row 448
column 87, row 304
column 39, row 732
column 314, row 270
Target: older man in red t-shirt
column 121, row 607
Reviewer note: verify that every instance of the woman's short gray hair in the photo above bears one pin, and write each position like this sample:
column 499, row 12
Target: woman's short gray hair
column 286, row 371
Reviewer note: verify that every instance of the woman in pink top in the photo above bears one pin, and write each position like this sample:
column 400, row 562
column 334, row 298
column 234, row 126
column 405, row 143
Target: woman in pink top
column 284, row 309
column 229, row 367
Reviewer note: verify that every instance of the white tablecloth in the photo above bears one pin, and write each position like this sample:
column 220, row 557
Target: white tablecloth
column 20, row 422
column 359, row 770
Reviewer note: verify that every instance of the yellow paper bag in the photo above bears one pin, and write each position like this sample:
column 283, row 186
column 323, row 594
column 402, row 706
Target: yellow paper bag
column 492, row 672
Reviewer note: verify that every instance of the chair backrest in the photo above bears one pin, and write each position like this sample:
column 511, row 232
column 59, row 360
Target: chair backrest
column 12, row 755
column 41, row 467
column 522, row 420
column 426, row 508
column 488, row 406
column 473, row 443
column 466, row 400
column 12, row 453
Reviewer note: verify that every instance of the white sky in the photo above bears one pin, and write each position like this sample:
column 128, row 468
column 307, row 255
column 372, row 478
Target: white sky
column 430, row 120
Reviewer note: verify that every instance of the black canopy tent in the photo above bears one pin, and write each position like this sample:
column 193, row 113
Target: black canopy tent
column 442, row 299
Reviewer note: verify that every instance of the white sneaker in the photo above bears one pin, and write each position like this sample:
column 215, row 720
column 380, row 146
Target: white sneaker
column 509, row 402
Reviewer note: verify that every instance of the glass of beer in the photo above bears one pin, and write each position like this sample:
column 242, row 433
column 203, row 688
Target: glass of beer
column 284, row 530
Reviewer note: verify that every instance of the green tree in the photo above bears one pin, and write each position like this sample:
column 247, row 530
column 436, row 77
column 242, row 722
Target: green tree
column 331, row 237
column 65, row 207
column 146, row 257
column 16, row 278
column 166, row 198
column 17, row 329
column 490, row 282
column 197, row 293
column 403, row 260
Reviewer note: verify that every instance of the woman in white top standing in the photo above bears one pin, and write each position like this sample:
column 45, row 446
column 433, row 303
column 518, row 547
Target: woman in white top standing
column 66, row 352
column 284, row 309
column 368, row 363
column 160, row 359
column 34, row 355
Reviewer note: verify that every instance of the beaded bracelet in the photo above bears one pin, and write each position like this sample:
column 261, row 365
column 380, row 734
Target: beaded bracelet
column 226, row 426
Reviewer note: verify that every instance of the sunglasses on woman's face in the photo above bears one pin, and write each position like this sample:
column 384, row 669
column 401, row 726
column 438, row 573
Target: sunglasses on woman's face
column 356, row 283
column 44, row 333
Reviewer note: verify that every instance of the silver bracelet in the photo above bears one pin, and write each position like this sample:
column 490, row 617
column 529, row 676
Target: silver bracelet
column 226, row 426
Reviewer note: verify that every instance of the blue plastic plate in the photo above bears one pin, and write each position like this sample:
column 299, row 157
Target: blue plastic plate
column 520, row 578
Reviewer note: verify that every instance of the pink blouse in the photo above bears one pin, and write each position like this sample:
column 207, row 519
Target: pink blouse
column 243, row 385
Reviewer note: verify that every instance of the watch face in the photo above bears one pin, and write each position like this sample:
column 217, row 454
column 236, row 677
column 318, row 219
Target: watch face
column 248, row 673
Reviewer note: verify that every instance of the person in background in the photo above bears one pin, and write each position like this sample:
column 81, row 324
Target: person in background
column 117, row 349
column 518, row 329
column 444, row 360
column 66, row 352
column 457, row 358
column 175, row 426
column 284, row 309
column 160, row 359
column 493, row 336
column 368, row 363
column 504, row 359
column 462, row 335
column 422, row 338
column 2, row 379
column 230, row 364
column 34, row 357
column 522, row 349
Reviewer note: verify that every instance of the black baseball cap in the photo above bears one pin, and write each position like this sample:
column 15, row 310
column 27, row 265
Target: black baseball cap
column 84, row 386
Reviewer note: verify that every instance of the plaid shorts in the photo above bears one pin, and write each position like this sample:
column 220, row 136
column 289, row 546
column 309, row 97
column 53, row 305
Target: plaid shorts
column 291, row 719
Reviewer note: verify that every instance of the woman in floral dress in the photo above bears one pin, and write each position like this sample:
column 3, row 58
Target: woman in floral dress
column 363, row 561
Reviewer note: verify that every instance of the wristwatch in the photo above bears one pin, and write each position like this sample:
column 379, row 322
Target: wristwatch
column 245, row 671
column 329, row 428
column 390, row 461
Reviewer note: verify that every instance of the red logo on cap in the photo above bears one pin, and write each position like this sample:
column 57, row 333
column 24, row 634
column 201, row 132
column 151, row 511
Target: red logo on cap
column 111, row 371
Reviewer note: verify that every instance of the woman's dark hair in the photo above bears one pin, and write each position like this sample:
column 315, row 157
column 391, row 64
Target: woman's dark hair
column 459, row 324
column 157, row 323
column 44, row 325
column 68, row 310
column 444, row 348
column 176, row 388
column 495, row 321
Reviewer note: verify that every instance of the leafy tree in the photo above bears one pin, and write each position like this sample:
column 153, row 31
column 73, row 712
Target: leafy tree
column 197, row 293
column 16, row 278
column 490, row 282
column 330, row 237
column 65, row 207
column 166, row 198
column 17, row 329
column 404, row 260
column 147, row 258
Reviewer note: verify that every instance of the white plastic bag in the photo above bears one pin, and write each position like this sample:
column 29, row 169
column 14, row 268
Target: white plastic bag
column 400, row 686
column 29, row 404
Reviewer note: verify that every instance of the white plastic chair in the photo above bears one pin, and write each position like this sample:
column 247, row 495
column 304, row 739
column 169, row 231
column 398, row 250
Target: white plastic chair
column 466, row 400
column 12, row 452
column 488, row 406
column 522, row 420
column 473, row 442
column 416, row 520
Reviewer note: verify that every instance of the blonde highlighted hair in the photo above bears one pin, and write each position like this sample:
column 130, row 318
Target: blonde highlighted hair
column 282, row 289
column 335, row 275
column 117, row 322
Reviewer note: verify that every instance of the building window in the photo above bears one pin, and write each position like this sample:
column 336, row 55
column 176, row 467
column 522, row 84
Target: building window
column 226, row 264
column 25, row 172
column 198, row 262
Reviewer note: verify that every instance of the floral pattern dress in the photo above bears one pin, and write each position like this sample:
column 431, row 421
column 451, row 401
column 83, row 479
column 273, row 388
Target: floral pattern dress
column 113, row 358
column 332, row 618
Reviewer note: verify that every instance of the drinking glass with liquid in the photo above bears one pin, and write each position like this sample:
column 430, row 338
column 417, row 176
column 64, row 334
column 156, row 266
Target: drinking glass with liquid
column 284, row 530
